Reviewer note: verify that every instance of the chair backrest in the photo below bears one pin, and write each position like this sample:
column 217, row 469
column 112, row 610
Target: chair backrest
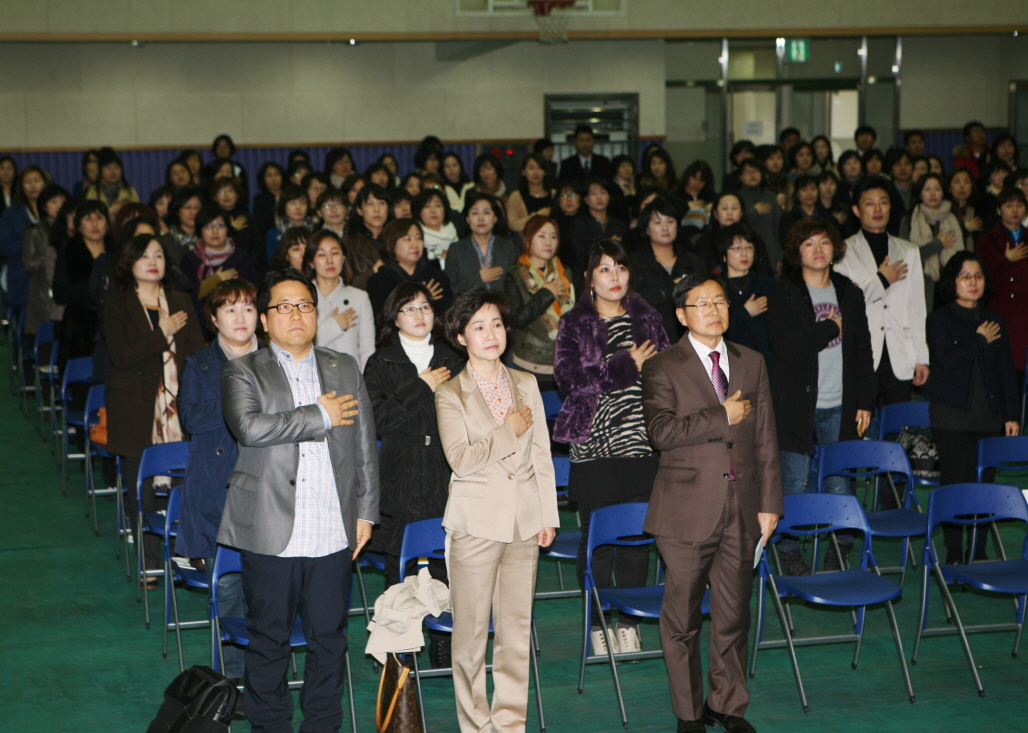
column 163, row 459
column 225, row 561
column 79, row 371
column 975, row 503
column 866, row 458
column 44, row 335
column 618, row 524
column 562, row 470
column 94, row 401
column 425, row 538
column 552, row 403
column 1001, row 452
column 893, row 418
column 807, row 514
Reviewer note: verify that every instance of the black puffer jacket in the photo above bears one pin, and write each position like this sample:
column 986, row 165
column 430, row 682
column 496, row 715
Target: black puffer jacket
column 413, row 473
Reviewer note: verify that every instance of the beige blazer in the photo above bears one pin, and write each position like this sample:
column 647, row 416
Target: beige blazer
column 497, row 476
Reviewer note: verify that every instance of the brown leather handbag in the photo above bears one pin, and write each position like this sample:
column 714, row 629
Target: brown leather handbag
column 396, row 710
column 98, row 432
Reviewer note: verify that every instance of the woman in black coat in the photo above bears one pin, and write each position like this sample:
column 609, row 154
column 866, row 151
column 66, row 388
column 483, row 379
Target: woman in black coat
column 973, row 389
column 748, row 290
column 650, row 263
column 824, row 367
column 401, row 378
column 72, row 274
column 403, row 249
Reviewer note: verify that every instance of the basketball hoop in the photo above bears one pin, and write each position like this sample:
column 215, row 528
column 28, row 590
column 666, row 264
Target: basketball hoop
column 553, row 26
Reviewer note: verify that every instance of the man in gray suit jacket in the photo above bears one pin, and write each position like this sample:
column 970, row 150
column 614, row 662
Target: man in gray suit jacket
column 301, row 502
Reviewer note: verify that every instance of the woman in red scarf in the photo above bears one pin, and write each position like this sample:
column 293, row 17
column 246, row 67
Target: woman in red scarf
column 214, row 258
column 539, row 291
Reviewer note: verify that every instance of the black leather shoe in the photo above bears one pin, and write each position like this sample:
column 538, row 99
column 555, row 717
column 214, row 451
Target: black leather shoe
column 691, row 726
column 729, row 723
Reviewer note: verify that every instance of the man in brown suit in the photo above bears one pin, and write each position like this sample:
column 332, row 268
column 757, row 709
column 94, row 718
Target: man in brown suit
column 717, row 494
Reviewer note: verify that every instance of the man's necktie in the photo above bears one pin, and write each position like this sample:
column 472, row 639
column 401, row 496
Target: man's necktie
column 720, row 381
column 717, row 376
column 585, row 167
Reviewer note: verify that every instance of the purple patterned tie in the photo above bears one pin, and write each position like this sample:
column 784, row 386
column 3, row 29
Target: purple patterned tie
column 717, row 376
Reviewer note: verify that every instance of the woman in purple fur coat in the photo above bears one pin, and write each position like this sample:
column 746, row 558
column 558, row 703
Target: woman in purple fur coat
column 601, row 346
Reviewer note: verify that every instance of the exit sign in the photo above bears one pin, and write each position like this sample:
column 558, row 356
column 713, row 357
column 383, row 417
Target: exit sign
column 797, row 50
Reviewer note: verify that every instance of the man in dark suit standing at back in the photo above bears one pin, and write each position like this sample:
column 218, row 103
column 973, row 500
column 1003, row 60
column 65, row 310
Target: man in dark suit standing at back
column 585, row 164
column 301, row 503
column 718, row 493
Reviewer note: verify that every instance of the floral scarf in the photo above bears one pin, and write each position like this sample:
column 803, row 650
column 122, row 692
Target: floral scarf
column 535, row 279
column 166, row 425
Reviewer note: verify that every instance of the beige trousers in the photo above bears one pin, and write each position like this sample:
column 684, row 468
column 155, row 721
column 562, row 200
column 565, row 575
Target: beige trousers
column 475, row 567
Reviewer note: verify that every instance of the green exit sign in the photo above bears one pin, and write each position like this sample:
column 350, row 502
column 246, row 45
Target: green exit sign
column 797, row 50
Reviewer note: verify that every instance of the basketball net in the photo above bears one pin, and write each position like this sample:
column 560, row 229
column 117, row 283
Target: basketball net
column 553, row 26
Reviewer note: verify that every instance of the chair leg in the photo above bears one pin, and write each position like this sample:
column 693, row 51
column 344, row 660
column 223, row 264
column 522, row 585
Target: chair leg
column 1019, row 601
column 948, row 599
column 560, row 576
column 586, row 607
column 421, row 697
column 997, row 540
column 169, row 582
column 899, row 649
column 349, row 690
column 922, row 617
column 610, row 657
column 167, row 608
column 788, row 642
column 535, row 676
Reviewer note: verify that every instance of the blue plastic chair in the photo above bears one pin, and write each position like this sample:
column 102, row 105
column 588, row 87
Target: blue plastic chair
column 53, row 379
column 893, row 418
column 26, row 363
column 552, row 402
column 863, row 459
column 233, row 629
column 42, row 348
column 565, row 544
column 427, row 539
column 176, row 573
column 972, row 505
column 812, row 514
column 1002, row 453
column 94, row 401
column 164, row 459
column 620, row 525
column 76, row 371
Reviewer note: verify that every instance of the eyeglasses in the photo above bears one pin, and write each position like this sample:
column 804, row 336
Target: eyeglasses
column 287, row 308
column 215, row 225
column 968, row 277
column 569, row 195
column 709, row 307
column 410, row 310
column 332, row 206
column 741, row 250
column 227, row 192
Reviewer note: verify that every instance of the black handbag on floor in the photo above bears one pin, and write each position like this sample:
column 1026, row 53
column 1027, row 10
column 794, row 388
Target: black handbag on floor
column 197, row 701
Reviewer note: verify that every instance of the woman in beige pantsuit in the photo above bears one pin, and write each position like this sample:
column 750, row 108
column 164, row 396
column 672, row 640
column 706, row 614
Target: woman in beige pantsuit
column 502, row 508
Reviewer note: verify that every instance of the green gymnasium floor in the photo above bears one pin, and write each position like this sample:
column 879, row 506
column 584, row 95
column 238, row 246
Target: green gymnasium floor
column 75, row 656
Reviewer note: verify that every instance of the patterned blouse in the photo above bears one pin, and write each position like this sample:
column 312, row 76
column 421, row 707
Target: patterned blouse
column 498, row 395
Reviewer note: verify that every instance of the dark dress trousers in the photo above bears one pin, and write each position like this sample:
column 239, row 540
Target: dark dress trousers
column 704, row 521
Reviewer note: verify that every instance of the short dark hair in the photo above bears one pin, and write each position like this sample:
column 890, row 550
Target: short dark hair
column 911, row 134
column 399, row 194
column 951, row 271
column 786, row 132
column 179, row 199
column 226, row 138
column 474, row 197
column 403, row 294
column 741, row 146
column 844, row 158
column 725, row 236
column 424, row 153
column 207, row 214
column 1010, row 194
column 393, row 232
column 970, row 126
column 312, row 249
column 806, row 228
column 290, row 237
column 331, row 194
column 894, row 156
column 659, row 205
column 273, row 278
column 543, row 143
column 481, row 161
column 865, row 130
column 291, row 192
column 804, row 180
column 321, row 178
column 91, row 206
column 757, row 166
column 424, row 197
column 369, row 190
column 133, row 252
column 870, row 183
column 50, row 191
column 870, row 154
column 222, row 181
column 466, row 305
column 334, row 156
column 228, row 292
column 692, row 281
column 270, row 165
column 579, row 129
column 617, row 252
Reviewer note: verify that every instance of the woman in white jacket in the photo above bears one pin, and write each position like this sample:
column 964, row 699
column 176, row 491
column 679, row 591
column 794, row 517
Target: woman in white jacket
column 345, row 321
column 934, row 228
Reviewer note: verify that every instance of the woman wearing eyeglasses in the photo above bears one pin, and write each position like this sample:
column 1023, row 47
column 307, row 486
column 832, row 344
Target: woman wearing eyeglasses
column 973, row 389
column 824, row 371
column 402, row 376
column 214, row 258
